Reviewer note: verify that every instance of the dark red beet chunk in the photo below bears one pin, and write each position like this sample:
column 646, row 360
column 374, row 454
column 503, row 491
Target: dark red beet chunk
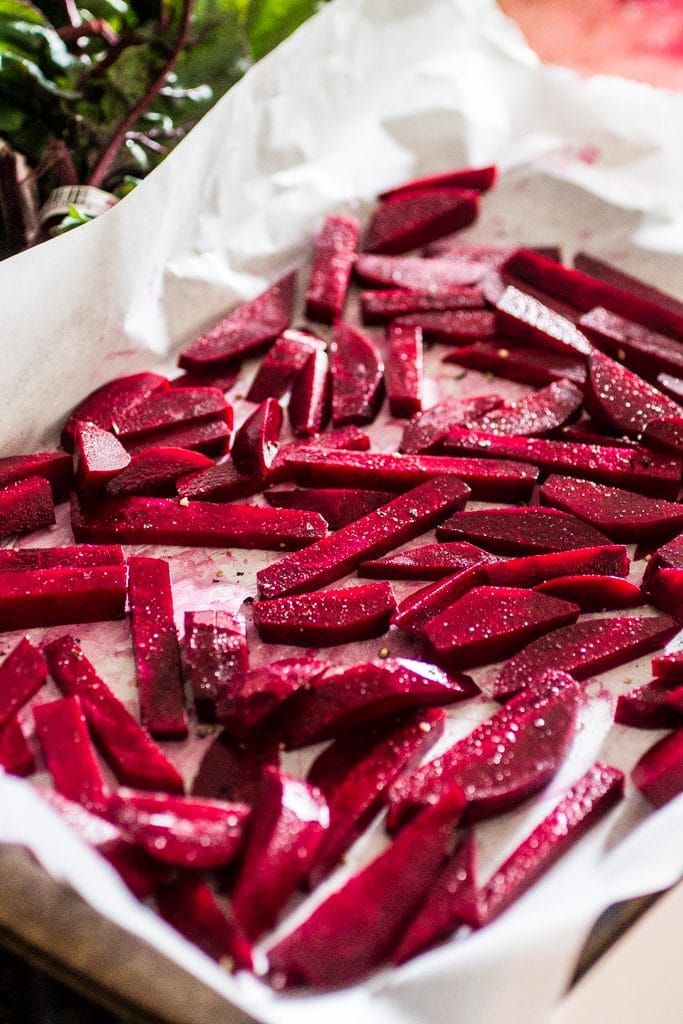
column 281, row 364
column 427, row 602
column 621, row 399
column 333, row 254
column 55, row 597
column 379, row 306
column 327, row 618
column 404, row 370
column 595, row 267
column 597, row 593
column 155, row 645
column 428, row 562
column 645, row 707
column 512, row 361
column 671, row 386
column 451, row 326
column 232, row 772
column 338, row 506
column 16, row 756
column 154, row 472
column 664, row 436
column 670, row 664
column 215, row 655
column 674, row 700
column 351, row 438
column 222, row 482
column 419, row 216
column 415, row 274
column 104, row 406
column 221, row 378
column 99, row 456
column 25, row 506
column 659, row 773
column 529, row 570
column 478, row 178
column 643, row 351
column 387, row 892
column 544, row 411
column 189, row 905
column 524, row 318
column 167, row 409
column 247, row 328
column 588, row 431
column 68, row 751
column 22, row 674
column 665, row 587
column 211, row 437
column 57, row 467
column 521, row 531
column 309, row 401
column 256, row 441
column 259, row 692
column 357, row 370
column 427, row 429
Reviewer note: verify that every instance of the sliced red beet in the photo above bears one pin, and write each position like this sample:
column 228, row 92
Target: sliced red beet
column 671, row 386
column 669, row 665
column 521, row 531
column 222, row 482
column 104, row 406
column 404, row 370
column 674, row 700
column 387, row 892
column 588, row 431
column 538, row 414
column 428, row 562
column 594, row 593
column 621, row 399
column 427, row 602
column 55, row 597
column 285, row 829
column 171, row 407
column 99, row 456
column 338, row 506
column 488, row 479
column 523, row 363
column 154, row 472
column 351, row 438
column 621, row 515
column 193, row 524
column 327, row 618
column 16, row 756
column 595, row 267
column 419, row 216
column 490, row 623
column 155, row 646
column 355, row 772
column 372, row 535
column 659, row 773
column 281, row 364
column 427, row 429
column 211, row 437
column 584, row 649
column 68, row 751
column 57, row 467
column 664, row 436
column 257, row 439
column 260, row 691
column 189, row 905
column 640, row 469
column 222, row 378
column 247, row 328
column 22, row 674
column 179, row 830
column 524, row 318
column 134, row 758
column 670, row 556
column 645, row 707
column 527, row 571
column 379, row 306
column 415, row 274
column 25, row 506
column 478, row 178
column 309, row 401
column 643, row 351
column 357, row 369
column 333, row 254
column 231, row 771
column 450, row 326
column 340, row 702
column 665, row 587
column 215, row 655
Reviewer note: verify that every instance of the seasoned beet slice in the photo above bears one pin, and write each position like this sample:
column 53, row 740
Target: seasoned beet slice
column 340, row 702
column 99, row 456
column 428, row 562
column 222, row 482
column 488, row 479
column 450, row 326
column 327, row 618
column 610, row 560
column 248, row 327
column 16, row 756
column 222, row 378
column 643, row 351
column 522, row 363
column 179, row 830
column 333, row 254
column 134, row 758
column 198, row 524
column 670, row 556
column 594, row 593
column 171, row 407
column 25, row 506
column 257, row 439
column 355, row 772
column 154, row 472
column 523, row 531
column 621, row 515
column 645, row 707
column 506, row 759
column 584, row 649
column 427, row 429
column 351, row 438
column 674, row 700
column 595, row 267
column 427, row 602
column 415, row 274
column 356, row 369
column 338, row 506
column 404, row 370
column 665, row 587
column 587, row 431
column 621, row 399
column 524, row 318
column 155, row 646
column 490, row 623
column 282, row 362
column 419, row 216
column 309, row 401
column 56, row 467
column 642, row 470
column 189, row 905
column 478, row 178
column 68, row 751
column 334, row 946
column 232, row 772
column 671, row 386
column 22, row 674
column 664, row 436
column 659, row 773
column 396, row 523
column 379, row 306
column 211, row 437
column 285, row 830
column 215, row 655
column 259, row 692
column 54, row 597
column 669, row 665
column 539, row 413
column 114, row 399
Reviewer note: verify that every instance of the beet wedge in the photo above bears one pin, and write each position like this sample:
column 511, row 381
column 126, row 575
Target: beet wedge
column 416, row 610
column 215, row 655
column 523, row 363
column 521, row 531
column 544, row 411
column 282, row 362
column 490, row 623
column 451, row 326
column 404, row 370
column 427, row 429
column 166, row 409
column 418, row 217
column 327, row 618
column 338, row 703
column 378, row 307
column 246, row 329
column 524, row 318
column 584, row 649
column 373, row 535
column 670, row 386
column 155, row 647
column 221, row 482
column 351, row 438
column 619, row 514
column 222, row 378
column 25, row 506
column 354, row 773
column 478, row 178
column 665, row 589
column 642, row 351
column 534, row 733
column 259, row 692
column 231, row 772
column 16, row 756
column 112, row 400
column 669, row 665
column 412, row 273
column 664, row 436
column 55, row 467
column 285, row 829
column 68, row 751
column 529, row 570
column 645, row 707
column 309, row 400
column 594, row 267
column 135, row 759
column 338, row 506
column 333, row 254
column 55, row 597
column 356, row 369
column 387, row 890
column 659, row 772
column 22, row 673
column 153, row 472
column 210, row 437
column 256, row 441
column 189, row 905
column 594, row 593
column 621, row 399
column 99, row 456
column 195, row 524
column 428, row 562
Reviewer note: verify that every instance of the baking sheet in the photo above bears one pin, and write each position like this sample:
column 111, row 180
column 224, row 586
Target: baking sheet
column 363, row 96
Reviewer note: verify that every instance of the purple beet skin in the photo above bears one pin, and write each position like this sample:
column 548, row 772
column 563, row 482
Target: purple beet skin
column 281, row 364
column 68, row 751
column 154, row 472
column 645, row 707
column 478, row 178
column 22, row 673
column 594, row 593
column 427, row 429
column 339, row 506
column 529, row 570
column 451, row 326
column 418, row 217
column 333, row 253
column 643, row 351
column 189, row 905
column 427, row 562
column 309, row 401
column 622, row 400
column 524, row 363
column 25, row 506
column 521, row 531
column 215, row 655
column 412, row 273
column 523, row 318
column 415, row 611
column 56, row 467
column 231, row 771
column 170, row 407
column 54, row 597
column 543, row 411
column 326, row 618
column 259, row 692
column 357, row 370
column 378, row 307
column 256, row 441
column 16, row 756
column 99, row 456
column 404, row 370
column 659, row 773
column 114, row 399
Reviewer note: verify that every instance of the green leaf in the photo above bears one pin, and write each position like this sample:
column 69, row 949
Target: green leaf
column 18, row 10
column 17, row 74
column 268, row 22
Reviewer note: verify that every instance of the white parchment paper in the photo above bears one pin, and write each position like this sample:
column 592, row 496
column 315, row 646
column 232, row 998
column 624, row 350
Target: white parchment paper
column 367, row 94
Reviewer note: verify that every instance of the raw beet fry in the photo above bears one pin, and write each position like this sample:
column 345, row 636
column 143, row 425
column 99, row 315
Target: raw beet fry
column 154, row 471
column 523, row 318
column 645, row 707
column 521, row 531
column 222, row 378
column 99, row 456
column 16, row 756
column 527, row 571
column 83, row 556
column 281, row 364
column 56, row 467
column 260, row 692
column 55, row 597
column 357, row 370
column 337, row 506
column 215, row 655
column 478, row 178
column 22, row 673
column 419, row 216
column 171, row 407
column 664, row 436
column 416, row 610
column 427, row 562
column 537, row 414
column 643, row 351
column 427, row 429
column 351, row 438
column 189, row 905
column 25, row 506
column 328, row 618
column 221, row 482
column 309, row 401
column 404, row 370
column 665, row 589
column 256, row 441
column 68, row 752
column 415, row 274
column 671, row 386
column 659, row 772
column 451, row 326
column 512, row 361
column 595, row 267
column 211, row 437
column 333, row 254
column 231, row 771
column 594, row 593
column 377, row 307
column 623, row 400
column 106, row 404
